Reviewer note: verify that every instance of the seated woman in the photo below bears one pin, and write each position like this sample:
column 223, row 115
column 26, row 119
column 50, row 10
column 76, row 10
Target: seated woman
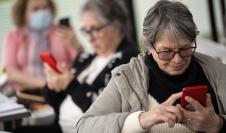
column 34, row 33
column 105, row 25
column 142, row 96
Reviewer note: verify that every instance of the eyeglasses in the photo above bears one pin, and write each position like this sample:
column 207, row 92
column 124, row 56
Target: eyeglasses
column 93, row 31
column 169, row 54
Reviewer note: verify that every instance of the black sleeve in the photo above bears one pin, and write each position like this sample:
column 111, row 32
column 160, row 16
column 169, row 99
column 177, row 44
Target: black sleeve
column 53, row 98
column 223, row 129
column 80, row 93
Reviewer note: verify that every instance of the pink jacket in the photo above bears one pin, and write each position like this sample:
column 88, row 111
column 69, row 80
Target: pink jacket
column 16, row 45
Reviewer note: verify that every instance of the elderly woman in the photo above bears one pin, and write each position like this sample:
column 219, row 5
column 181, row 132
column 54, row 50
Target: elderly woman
column 33, row 34
column 104, row 24
column 142, row 95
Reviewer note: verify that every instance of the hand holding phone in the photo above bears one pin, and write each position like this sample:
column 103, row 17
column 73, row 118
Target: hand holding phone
column 196, row 92
column 50, row 60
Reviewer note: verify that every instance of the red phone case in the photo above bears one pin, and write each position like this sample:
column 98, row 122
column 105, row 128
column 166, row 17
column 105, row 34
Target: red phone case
column 196, row 92
column 50, row 60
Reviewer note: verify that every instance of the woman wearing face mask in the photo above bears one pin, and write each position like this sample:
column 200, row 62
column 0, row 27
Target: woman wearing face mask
column 34, row 33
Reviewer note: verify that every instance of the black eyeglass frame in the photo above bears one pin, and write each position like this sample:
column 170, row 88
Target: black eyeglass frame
column 93, row 30
column 174, row 52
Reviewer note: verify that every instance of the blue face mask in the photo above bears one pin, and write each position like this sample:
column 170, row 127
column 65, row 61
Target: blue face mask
column 40, row 20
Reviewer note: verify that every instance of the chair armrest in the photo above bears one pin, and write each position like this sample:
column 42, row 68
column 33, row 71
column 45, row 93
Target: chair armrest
column 30, row 97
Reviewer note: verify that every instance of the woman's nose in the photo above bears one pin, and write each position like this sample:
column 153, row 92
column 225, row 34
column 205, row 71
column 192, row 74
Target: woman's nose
column 177, row 58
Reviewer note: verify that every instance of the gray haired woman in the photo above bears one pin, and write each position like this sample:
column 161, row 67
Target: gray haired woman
column 142, row 96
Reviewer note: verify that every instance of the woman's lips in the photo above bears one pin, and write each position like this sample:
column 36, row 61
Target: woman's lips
column 178, row 67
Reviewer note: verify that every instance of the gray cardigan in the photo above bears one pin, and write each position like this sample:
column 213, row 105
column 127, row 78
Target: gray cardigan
column 127, row 92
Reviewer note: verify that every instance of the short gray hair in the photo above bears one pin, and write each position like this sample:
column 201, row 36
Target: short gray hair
column 111, row 11
column 170, row 17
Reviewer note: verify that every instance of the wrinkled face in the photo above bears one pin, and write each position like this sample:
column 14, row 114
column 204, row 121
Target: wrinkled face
column 35, row 5
column 178, row 64
column 101, row 35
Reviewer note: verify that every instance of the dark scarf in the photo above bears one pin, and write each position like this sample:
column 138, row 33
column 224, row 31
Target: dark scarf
column 161, row 85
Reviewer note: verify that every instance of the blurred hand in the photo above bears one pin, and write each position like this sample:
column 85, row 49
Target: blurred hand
column 67, row 35
column 164, row 113
column 204, row 119
column 24, row 80
column 55, row 81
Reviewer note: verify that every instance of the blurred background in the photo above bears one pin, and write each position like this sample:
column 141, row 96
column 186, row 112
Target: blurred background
column 209, row 15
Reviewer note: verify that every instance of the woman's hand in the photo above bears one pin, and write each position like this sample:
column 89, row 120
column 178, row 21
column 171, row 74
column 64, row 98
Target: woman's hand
column 24, row 80
column 165, row 112
column 68, row 36
column 204, row 119
column 55, row 81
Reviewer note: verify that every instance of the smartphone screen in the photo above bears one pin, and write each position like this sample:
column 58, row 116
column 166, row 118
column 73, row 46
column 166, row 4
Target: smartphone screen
column 196, row 92
column 50, row 60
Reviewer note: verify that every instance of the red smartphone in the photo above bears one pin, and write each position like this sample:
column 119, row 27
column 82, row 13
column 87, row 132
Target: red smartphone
column 196, row 92
column 50, row 60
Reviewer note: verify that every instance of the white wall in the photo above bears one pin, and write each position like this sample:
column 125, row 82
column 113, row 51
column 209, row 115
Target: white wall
column 5, row 22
